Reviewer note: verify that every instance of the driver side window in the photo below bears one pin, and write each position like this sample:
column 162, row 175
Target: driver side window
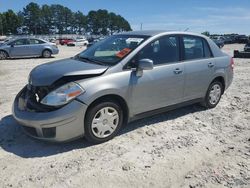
column 19, row 42
column 161, row 51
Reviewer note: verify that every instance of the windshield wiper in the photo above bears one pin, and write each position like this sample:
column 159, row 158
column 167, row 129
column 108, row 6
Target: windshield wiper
column 89, row 60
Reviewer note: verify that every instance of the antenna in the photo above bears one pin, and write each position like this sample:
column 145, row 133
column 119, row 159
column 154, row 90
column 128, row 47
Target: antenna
column 186, row 29
column 141, row 26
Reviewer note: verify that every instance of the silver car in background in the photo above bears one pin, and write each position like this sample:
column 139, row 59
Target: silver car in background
column 27, row 47
column 120, row 79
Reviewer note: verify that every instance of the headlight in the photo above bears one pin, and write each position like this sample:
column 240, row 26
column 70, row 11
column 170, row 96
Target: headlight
column 63, row 94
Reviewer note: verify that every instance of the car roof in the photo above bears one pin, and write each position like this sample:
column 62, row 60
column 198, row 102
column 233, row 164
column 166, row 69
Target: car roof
column 152, row 33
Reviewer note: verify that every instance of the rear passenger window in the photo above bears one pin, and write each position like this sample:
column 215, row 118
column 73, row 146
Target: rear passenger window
column 161, row 51
column 193, row 48
column 207, row 50
column 35, row 41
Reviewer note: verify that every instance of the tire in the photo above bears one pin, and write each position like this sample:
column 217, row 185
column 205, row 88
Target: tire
column 3, row 55
column 46, row 53
column 100, row 129
column 213, row 95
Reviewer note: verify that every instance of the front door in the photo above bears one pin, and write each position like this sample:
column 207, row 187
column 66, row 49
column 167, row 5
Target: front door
column 19, row 47
column 164, row 84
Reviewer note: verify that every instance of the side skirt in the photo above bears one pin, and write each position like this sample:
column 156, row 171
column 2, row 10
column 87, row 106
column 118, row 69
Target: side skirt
column 164, row 109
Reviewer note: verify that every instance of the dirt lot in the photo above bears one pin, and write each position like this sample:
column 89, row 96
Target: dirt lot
column 188, row 147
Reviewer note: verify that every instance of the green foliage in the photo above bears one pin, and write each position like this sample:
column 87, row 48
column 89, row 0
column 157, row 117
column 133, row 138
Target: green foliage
column 51, row 19
column 9, row 22
column 102, row 22
column 206, row 33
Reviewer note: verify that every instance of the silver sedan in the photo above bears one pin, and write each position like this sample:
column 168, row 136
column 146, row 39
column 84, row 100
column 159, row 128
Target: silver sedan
column 27, row 47
column 118, row 80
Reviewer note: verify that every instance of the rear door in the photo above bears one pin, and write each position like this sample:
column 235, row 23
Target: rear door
column 164, row 84
column 35, row 47
column 19, row 47
column 199, row 66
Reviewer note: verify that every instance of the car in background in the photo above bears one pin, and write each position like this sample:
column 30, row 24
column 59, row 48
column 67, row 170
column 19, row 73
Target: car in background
column 228, row 40
column 52, row 40
column 65, row 41
column 78, row 42
column 124, row 77
column 3, row 39
column 92, row 41
column 242, row 39
column 218, row 41
column 27, row 47
column 247, row 47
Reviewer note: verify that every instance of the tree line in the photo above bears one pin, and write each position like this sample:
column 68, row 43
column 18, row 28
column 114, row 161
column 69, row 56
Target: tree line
column 58, row 19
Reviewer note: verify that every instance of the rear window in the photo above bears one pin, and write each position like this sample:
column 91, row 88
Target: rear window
column 193, row 47
column 196, row 48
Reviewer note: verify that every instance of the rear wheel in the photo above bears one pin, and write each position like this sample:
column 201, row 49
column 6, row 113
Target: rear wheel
column 103, row 121
column 3, row 55
column 46, row 53
column 213, row 95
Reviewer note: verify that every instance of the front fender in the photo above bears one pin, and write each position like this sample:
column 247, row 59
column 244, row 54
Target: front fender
column 112, row 84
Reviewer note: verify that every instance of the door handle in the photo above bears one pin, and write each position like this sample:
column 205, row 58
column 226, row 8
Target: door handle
column 210, row 65
column 177, row 71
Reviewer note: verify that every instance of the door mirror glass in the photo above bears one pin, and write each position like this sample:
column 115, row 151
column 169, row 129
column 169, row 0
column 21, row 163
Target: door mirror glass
column 145, row 64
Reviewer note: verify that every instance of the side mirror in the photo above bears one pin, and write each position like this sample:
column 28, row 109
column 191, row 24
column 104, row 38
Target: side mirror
column 12, row 45
column 145, row 64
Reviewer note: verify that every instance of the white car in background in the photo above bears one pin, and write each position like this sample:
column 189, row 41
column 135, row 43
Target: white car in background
column 78, row 42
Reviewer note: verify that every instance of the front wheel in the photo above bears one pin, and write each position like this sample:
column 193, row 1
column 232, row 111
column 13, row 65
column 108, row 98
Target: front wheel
column 103, row 121
column 3, row 55
column 213, row 95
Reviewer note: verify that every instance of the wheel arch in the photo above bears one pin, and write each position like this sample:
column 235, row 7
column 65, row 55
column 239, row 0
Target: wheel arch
column 8, row 55
column 46, row 49
column 112, row 97
column 221, row 79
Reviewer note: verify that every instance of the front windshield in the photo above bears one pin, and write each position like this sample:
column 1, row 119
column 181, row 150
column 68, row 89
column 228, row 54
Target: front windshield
column 112, row 49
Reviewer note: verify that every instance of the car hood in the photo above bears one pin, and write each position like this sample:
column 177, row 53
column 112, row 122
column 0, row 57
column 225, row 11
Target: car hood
column 49, row 73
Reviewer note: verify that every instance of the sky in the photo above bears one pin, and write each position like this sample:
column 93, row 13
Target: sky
column 215, row 16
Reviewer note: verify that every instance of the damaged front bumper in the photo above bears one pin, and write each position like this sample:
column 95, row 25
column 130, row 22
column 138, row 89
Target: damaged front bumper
column 58, row 125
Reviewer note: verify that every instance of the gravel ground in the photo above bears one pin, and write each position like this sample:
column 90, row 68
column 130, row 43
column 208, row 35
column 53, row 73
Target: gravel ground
column 189, row 147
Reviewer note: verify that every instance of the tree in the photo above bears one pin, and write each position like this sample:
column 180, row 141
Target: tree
column 62, row 18
column 102, row 22
column 1, row 24
column 206, row 33
column 10, row 22
column 46, row 19
column 56, row 18
column 32, row 18
column 79, row 22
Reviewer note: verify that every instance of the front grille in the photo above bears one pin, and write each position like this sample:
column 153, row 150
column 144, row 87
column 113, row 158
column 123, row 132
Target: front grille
column 49, row 132
column 30, row 130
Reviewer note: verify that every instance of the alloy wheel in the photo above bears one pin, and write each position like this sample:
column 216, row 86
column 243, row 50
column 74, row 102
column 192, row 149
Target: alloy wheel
column 3, row 55
column 46, row 54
